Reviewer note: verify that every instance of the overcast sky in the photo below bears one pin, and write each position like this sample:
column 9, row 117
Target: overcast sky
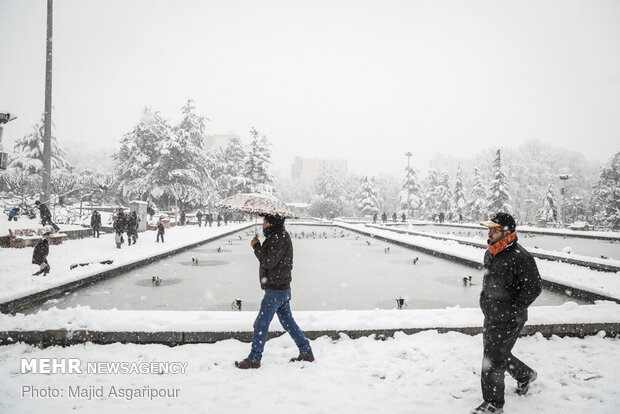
column 365, row 80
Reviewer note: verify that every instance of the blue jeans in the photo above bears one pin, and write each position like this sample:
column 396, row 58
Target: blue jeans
column 276, row 301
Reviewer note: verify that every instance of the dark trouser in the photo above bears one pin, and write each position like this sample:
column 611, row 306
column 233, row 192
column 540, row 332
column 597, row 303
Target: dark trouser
column 48, row 220
column 44, row 268
column 96, row 231
column 160, row 235
column 499, row 338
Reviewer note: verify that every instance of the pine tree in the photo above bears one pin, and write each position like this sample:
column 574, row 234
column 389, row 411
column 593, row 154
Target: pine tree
column 549, row 210
column 458, row 211
column 139, row 152
column 258, row 165
column 28, row 155
column 410, row 198
column 329, row 190
column 437, row 195
column 498, row 189
column 606, row 195
column 367, row 199
column 478, row 206
column 226, row 166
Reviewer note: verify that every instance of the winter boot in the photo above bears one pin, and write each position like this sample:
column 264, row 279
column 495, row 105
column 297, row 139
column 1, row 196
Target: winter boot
column 307, row 358
column 246, row 364
column 524, row 387
column 486, row 408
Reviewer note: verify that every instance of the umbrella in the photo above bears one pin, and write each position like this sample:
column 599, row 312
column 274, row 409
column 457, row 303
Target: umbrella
column 255, row 203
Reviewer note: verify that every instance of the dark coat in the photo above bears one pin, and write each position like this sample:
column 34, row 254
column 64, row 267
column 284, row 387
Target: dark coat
column 511, row 283
column 120, row 222
column 44, row 211
column 160, row 228
column 95, row 220
column 41, row 250
column 275, row 256
column 131, row 223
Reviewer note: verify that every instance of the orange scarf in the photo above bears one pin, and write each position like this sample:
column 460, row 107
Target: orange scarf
column 501, row 245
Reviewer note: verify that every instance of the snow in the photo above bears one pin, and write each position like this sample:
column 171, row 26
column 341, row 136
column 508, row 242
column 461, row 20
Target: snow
column 422, row 373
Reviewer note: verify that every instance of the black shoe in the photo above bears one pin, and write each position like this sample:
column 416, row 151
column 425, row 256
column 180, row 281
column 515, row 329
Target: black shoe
column 524, row 387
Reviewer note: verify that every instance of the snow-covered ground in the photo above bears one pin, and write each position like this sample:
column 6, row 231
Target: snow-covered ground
column 422, row 373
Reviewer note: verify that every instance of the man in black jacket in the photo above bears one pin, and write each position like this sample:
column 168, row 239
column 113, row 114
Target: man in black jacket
column 511, row 283
column 46, row 216
column 275, row 257
column 39, row 256
column 95, row 223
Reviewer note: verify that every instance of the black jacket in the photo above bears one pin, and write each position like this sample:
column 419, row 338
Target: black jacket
column 95, row 220
column 275, row 256
column 41, row 250
column 511, row 283
column 44, row 211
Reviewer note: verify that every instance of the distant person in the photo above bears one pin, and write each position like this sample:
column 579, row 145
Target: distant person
column 160, row 231
column 442, row 216
column 403, row 217
column 182, row 218
column 46, row 216
column 95, row 223
column 131, row 220
column 374, row 217
column 209, row 218
column 199, row 218
column 394, row 217
column 119, row 225
column 39, row 255
column 150, row 212
column 275, row 257
column 511, row 283
column 219, row 219
column 384, row 217
column 13, row 214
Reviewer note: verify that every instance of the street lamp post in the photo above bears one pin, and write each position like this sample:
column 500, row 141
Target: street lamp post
column 564, row 178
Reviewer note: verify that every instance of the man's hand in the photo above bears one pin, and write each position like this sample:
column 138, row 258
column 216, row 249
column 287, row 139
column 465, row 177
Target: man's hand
column 254, row 241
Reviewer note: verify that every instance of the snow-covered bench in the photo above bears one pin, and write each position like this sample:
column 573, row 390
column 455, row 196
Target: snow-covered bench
column 20, row 238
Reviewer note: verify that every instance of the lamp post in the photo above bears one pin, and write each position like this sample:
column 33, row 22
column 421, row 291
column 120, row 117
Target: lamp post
column 564, row 178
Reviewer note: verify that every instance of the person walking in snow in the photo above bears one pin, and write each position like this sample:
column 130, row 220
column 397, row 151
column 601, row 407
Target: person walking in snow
column 95, row 223
column 46, row 216
column 131, row 227
column 199, row 218
column 374, row 217
column 394, row 217
column 384, row 217
column 219, row 219
column 120, row 223
column 403, row 217
column 160, row 231
column 182, row 218
column 275, row 258
column 511, row 283
column 209, row 218
column 39, row 255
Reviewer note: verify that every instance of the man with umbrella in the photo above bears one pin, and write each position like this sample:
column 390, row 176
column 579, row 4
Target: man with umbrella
column 275, row 256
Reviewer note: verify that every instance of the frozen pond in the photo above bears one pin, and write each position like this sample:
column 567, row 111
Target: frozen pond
column 583, row 247
column 334, row 269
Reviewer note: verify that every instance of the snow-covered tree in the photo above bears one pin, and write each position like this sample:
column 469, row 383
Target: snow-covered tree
column 437, row 195
column 28, row 152
column 459, row 205
column 478, row 204
column 329, row 190
column 549, row 210
column 139, row 153
column 606, row 195
column 498, row 189
column 258, row 165
column 226, row 166
column 367, row 200
column 64, row 183
column 409, row 196
column 182, row 163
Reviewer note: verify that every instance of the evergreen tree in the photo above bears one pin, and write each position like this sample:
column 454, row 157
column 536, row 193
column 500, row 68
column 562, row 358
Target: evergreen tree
column 367, row 200
column 498, row 189
column 458, row 211
column 28, row 155
column 478, row 206
column 549, row 209
column 139, row 152
column 227, row 166
column 410, row 198
column 606, row 195
column 329, row 190
column 258, row 165
column 182, row 163
column 437, row 195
